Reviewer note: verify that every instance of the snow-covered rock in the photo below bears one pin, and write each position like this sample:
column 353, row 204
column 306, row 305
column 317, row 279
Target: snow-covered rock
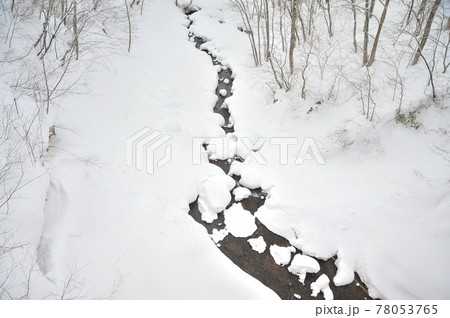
column 241, row 193
column 214, row 196
column 258, row 244
column 281, row 254
column 218, row 235
column 239, row 222
column 322, row 284
column 301, row 265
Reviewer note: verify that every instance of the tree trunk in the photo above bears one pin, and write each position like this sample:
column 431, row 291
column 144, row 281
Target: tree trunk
column 75, row 30
column 372, row 5
column 377, row 37
column 293, row 29
column 129, row 26
column 426, row 32
column 366, row 33
column 267, row 20
column 420, row 17
column 301, row 23
column 410, row 10
column 330, row 26
column 355, row 44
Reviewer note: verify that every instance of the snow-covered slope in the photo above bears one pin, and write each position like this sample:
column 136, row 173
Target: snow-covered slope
column 381, row 201
column 97, row 228
column 112, row 230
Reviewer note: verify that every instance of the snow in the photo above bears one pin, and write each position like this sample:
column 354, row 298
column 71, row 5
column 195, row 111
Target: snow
column 322, row 284
column 218, row 235
column 302, row 265
column 222, row 148
column 241, row 193
column 281, row 255
column 214, row 196
column 226, row 81
column 223, row 92
column 239, row 222
column 297, row 296
column 380, row 203
column 117, row 228
column 258, row 244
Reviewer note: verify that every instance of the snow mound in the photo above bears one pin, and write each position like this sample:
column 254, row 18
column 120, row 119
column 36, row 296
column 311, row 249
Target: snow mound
column 322, row 284
column 258, row 244
column 218, row 235
column 302, row 264
column 345, row 273
column 214, row 196
column 239, row 222
column 222, row 148
column 281, row 254
column 241, row 193
column 223, row 92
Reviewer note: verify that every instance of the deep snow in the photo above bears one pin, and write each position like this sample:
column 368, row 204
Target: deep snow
column 380, row 203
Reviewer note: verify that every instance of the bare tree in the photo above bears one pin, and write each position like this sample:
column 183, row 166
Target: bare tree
column 293, row 14
column 366, row 33
column 355, row 44
column 129, row 26
column 245, row 12
column 75, row 30
column 445, row 58
column 377, row 37
column 426, row 32
column 328, row 21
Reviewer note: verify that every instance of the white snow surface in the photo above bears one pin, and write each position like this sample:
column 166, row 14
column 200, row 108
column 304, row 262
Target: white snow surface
column 214, row 196
column 258, row 244
column 322, row 284
column 302, row 265
column 218, row 235
column 116, row 227
column 241, row 193
column 281, row 254
column 381, row 201
column 239, row 222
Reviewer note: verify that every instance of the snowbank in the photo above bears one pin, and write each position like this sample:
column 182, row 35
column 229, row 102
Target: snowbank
column 214, row 196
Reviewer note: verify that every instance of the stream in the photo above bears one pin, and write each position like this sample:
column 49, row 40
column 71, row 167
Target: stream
column 238, row 250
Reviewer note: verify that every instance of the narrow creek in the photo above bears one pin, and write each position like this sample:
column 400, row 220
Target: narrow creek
column 238, row 250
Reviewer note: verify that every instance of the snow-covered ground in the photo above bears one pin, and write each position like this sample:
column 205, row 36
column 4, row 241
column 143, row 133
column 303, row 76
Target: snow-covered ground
column 380, row 203
column 113, row 228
